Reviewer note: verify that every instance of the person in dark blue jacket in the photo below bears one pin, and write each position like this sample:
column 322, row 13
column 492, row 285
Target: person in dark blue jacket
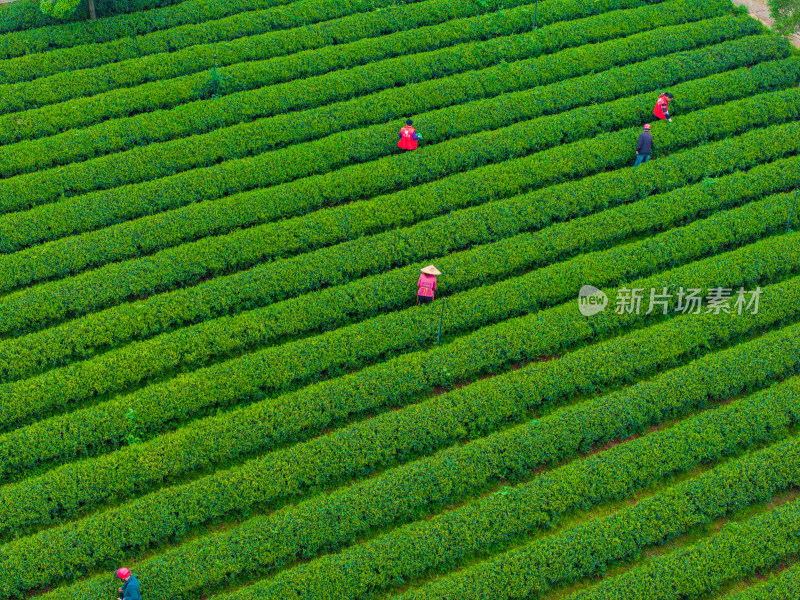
column 130, row 588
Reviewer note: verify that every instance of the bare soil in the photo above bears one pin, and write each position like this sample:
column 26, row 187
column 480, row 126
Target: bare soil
column 758, row 9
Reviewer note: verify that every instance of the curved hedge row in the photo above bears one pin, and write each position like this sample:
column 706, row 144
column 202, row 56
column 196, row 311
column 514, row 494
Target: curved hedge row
column 191, row 48
column 318, row 122
column 267, row 424
column 33, row 189
column 84, row 337
column 272, row 369
column 320, row 90
column 155, row 161
column 589, row 548
column 132, row 238
column 401, row 493
column 741, row 549
column 783, row 586
column 248, row 69
column 20, row 16
column 33, row 308
column 134, row 25
column 357, row 451
column 243, row 248
column 420, row 429
column 446, row 540
column 114, row 371
column 179, row 121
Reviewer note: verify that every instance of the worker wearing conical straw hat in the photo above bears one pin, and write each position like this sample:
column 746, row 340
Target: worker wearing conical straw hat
column 426, row 284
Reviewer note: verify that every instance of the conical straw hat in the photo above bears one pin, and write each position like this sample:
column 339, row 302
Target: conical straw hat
column 431, row 270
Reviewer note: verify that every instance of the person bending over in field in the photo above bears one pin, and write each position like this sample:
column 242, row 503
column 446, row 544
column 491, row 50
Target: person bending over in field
column 408, row 137
column 644, row 146
column 130, row 587
column 426, row 284
column 662, row 106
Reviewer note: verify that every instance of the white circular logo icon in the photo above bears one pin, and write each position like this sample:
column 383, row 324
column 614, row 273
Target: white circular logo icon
column 591, row 301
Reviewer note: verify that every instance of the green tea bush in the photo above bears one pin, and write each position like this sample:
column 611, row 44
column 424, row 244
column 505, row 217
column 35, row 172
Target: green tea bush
column 200, row 117
column 336, row 518
column 196, row 45
column 131, row 364
column 420, row 429
column 35, row 307
column 244, row 248
column 187, row 12
column 261, row 286
column 246, row 378
column 336, row 86
column 783, row 586
column 589, row 548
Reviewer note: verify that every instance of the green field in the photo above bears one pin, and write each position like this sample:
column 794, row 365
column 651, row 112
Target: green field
column 213, row 369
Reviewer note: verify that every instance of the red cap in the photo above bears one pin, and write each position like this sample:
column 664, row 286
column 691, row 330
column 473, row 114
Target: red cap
column 123, row 573
column 647, row 125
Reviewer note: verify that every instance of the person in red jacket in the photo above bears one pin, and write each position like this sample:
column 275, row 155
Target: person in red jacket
column 408, row 137
column 662, row 106
column 426, row 284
